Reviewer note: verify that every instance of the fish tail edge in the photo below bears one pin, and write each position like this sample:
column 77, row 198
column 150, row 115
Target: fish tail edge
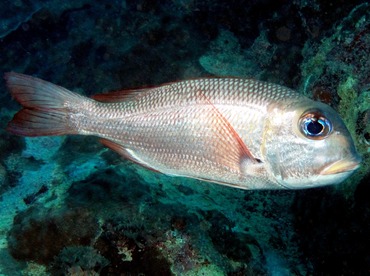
column 44, row 110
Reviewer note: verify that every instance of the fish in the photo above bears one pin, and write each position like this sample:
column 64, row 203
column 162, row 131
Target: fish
column 242, row 133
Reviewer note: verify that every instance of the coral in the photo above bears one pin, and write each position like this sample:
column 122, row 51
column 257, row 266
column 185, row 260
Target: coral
column 127, row 255
column 34, row 269
column 179, row 252
column 78, row 260
column 124, row 250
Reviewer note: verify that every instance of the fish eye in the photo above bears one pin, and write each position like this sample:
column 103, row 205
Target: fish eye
column 314, row 125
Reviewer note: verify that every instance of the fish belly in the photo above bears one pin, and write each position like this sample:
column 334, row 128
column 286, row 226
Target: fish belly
column 187, row 141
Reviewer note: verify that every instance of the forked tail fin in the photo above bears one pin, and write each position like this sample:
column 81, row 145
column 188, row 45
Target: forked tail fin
column 46, row 106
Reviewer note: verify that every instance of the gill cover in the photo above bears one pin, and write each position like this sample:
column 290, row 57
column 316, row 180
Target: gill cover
column 308, row 145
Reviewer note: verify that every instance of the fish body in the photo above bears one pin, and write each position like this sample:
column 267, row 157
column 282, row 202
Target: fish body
column 242, row 133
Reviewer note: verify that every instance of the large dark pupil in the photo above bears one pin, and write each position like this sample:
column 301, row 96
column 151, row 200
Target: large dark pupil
column 315, row 127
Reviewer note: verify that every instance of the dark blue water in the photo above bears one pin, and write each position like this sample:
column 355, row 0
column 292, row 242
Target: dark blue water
column 69, row 206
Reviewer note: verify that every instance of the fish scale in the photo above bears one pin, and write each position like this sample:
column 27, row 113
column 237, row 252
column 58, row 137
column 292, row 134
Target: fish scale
column 172, row 110
column 242, row 133
column 165, row 122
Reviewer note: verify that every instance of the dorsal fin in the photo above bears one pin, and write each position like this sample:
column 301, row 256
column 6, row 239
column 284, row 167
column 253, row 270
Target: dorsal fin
column 119, row 96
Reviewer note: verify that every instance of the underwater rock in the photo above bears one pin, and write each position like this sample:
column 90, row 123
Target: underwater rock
column 2, row 176
column 337, row 71
column 100, row 46
column 29, row 183
column 237, row 246
column 42, row 148
column 225, row 57
column 39, row 234
column 78, row 260
column 334, row 231
column 14, row 13
column 132, row 256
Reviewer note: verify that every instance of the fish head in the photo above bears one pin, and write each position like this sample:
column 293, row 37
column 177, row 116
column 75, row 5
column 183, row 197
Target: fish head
column 307, row 144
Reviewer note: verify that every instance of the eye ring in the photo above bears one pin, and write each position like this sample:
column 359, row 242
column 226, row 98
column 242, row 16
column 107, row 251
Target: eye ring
column 314, row 125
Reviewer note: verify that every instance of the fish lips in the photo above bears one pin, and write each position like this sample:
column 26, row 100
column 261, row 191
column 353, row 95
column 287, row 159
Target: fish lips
column 344, row 165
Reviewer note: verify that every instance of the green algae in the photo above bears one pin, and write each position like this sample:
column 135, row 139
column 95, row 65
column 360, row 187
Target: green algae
column 350, row 106
column 338, row 64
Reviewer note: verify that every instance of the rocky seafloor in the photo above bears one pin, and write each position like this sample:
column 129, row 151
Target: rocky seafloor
column 69, row 206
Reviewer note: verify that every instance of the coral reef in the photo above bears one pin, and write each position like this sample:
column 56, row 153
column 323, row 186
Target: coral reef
column 42, row 148
column 40, row 234
column 78, row 260
column 336, row 71
column 226, row 58
column 68, row 206
column 23, row 10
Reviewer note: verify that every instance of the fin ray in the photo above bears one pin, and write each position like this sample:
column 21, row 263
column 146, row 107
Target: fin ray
column 32, row 92
column 231, row 150
column 119, row 96
column 45, row 106
column 29, row 122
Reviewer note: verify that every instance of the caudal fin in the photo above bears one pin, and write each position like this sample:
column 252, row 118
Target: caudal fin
column 46, row 106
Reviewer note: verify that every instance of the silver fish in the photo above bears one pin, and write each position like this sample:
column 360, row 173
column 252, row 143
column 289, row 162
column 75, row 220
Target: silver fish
column 242, row 133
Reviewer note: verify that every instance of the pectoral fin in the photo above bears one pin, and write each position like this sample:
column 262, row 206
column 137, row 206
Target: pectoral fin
column 233, row 147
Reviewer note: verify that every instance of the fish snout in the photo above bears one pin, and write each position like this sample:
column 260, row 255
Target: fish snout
column 343, row 165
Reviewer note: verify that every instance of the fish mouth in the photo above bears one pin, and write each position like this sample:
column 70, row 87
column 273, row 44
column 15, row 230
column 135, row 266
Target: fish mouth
column 343, row 165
